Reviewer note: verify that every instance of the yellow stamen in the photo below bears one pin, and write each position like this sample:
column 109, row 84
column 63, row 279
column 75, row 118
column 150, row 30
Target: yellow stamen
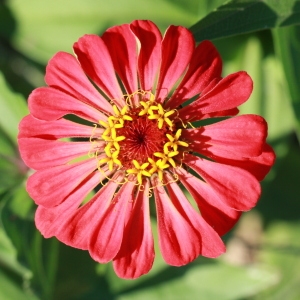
column 174, row 141
column 139, row 170
column 161, row 115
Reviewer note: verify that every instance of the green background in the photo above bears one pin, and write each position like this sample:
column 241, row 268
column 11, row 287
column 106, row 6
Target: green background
column 263, row 250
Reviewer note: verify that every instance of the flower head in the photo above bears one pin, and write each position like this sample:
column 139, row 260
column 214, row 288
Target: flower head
column 115, row 120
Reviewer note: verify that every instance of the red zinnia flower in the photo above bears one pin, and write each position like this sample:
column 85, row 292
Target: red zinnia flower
column 134, row 84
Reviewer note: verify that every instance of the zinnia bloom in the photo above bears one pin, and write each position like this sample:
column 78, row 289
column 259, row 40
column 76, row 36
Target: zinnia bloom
column 119, row 119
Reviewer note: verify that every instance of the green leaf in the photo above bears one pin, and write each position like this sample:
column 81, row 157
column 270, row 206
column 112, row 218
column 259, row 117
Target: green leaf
column 242, row 16
column 281, row 250
column 10, row 290
column 287, row 46
column 13, row 109
column 45, row 27
column 8, row 257
column 207, row 281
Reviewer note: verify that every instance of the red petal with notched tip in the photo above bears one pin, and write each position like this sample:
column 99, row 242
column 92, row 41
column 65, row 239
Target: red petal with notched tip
column 212, row 206
column 106, row 237
column 183, row 234
column 230, row 137
column 228, row 93
column 56, row 129
column 96, row 62
column 125, row 61
column 136, row 254
column 205, row 66
column 49, row 187
column 177, row 49
column 149, row 57
column 50, row 104
column 240, row 189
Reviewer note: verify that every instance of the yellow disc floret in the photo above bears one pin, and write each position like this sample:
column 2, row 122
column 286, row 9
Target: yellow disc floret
column 142, row 138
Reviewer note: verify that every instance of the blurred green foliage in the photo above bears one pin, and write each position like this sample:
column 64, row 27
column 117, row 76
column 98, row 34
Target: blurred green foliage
column 263, row 256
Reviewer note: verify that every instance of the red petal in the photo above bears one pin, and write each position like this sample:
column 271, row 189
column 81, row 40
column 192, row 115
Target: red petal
column 177, row 49
column 96, row 62
column 206, row 64
column 51, row 221
column 65, row 73
column 61, row 128
column 48, row 187
column 136, row 254
column 240, row 189
column 50, row 104
column 183, row 234
column 150, row 52
column 82, row 222
column 106, row 238
column 229, row 93
column 242, row 136
column 124, row 61
column 258, row 166
column 40, row 154
column 212, row 206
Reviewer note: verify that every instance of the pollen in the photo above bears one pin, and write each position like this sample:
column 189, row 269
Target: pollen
column 142, row 138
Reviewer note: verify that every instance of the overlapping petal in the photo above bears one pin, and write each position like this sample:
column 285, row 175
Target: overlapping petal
column 56, row 129
column 177, row 49
column 49, row 187
column 125, row 61
column 96, row 62
column 149, row 57
column 50, row 104
column 55, row 220
column 229, row 138
column 83, row 221
column 205, row 66
column 136, row 254
column 183, row 234
column 240, row 189
column 230, row 92
column 212, row 206
column 63, row 72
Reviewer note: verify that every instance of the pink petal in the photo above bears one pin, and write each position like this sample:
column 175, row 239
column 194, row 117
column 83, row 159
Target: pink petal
column 61, row 128
column 50, row 104
column 136, row 254
column 48, row 187
column 51, row 221
column 212, row 206
column 240, row 189
column 106, row 238
column 40, row 154
column 242, row 136
column 124, row 61
column 83, row 221
column 177, row 49
column 96, row 62
column 150, row 52
column 229, row 93
column 258, row 166
column 183, row 234
column 63, row 72
column 205, row 65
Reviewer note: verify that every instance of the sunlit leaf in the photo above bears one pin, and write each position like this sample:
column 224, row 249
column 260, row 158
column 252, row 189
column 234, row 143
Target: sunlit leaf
column 206, row 281
column 242, row 16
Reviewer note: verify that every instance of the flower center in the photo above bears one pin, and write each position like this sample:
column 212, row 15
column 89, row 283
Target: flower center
column 142, row 140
